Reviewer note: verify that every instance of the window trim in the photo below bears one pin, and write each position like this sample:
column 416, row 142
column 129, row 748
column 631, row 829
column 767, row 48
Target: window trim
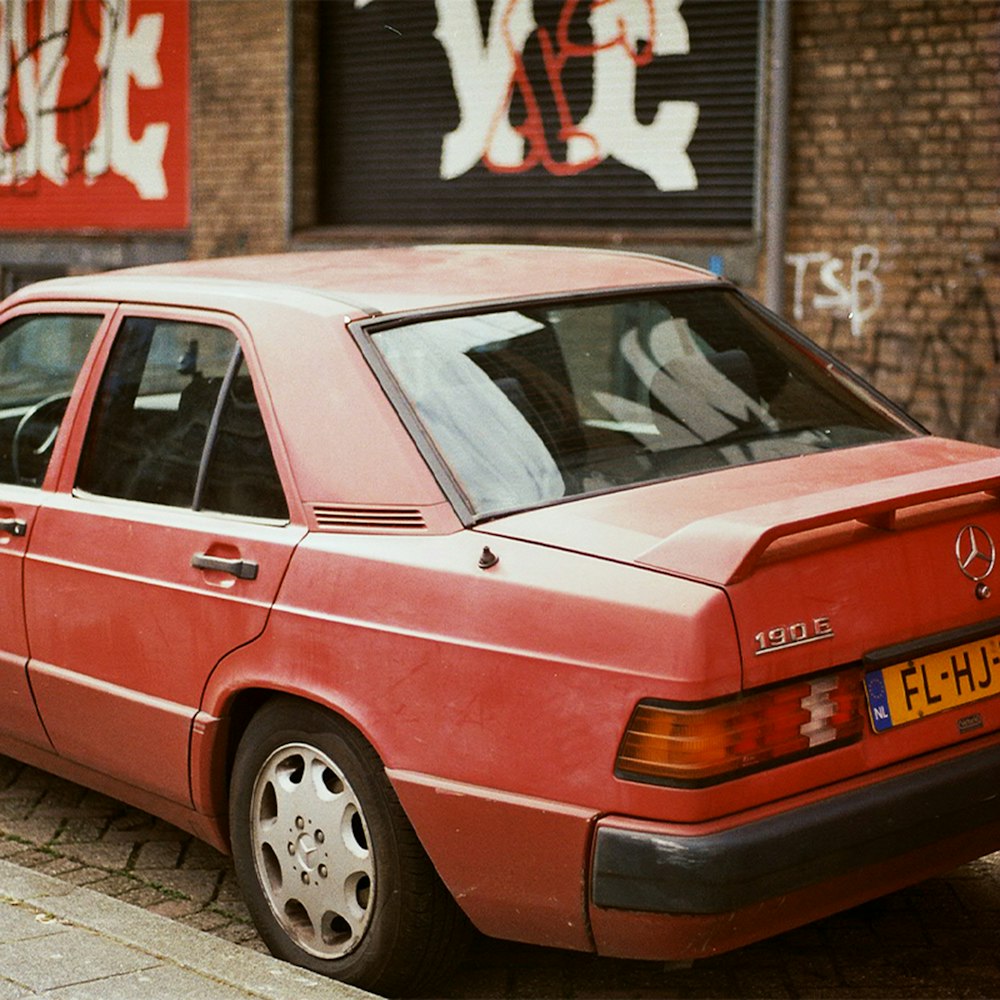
column 96, row 365
column 363, row 329
column 235, row 360
column 65, row 437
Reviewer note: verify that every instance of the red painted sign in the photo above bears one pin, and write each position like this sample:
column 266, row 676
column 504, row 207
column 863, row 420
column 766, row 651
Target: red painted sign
column 93, row 114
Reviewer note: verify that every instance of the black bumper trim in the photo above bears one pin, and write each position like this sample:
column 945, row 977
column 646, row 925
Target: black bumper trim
column 719, row 872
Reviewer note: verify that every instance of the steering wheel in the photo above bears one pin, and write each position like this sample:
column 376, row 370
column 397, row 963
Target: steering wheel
column 31, row 446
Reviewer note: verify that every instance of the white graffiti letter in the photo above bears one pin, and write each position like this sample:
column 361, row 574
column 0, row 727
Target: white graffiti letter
column 801, row 262
column 840, row 299
column 659, row 149
column 38, row 76
column 128, row 56
column 864, row 264
column 482, row 71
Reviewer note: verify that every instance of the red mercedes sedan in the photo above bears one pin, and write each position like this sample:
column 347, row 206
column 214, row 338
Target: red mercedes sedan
column 565, row 594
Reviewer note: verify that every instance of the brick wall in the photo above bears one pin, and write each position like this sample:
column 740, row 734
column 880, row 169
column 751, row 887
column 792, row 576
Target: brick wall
column 240, row 128
column 894, row 211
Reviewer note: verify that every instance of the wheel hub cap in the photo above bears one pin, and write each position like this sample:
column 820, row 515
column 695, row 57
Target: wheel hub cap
column 311, row 849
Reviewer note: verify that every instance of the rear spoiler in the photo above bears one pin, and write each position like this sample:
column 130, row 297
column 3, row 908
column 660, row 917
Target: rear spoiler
column 726, row 548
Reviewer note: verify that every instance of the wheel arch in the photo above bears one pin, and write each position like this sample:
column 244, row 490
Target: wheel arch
column 450, row 819
column 219, row 753
column 425, row 923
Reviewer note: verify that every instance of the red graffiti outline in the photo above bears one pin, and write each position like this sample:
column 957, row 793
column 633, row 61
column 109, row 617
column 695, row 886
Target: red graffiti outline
column 555, row 58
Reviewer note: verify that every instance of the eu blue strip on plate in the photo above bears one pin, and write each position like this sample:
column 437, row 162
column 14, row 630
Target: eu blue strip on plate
column 878, row 701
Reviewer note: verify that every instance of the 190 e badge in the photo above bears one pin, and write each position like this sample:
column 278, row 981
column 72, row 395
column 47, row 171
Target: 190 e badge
column 795, row 634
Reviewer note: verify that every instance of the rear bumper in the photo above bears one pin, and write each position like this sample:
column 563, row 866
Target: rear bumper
column 639, row 868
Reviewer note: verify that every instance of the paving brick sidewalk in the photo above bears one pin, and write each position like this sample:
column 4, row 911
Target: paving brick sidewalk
column 87, row 839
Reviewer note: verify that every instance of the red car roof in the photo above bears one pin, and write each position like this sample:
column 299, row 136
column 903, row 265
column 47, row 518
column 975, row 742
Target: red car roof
column 396, row 279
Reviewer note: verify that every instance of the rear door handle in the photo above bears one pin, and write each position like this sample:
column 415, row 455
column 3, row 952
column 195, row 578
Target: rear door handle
column 14, row 526
column 242, row 569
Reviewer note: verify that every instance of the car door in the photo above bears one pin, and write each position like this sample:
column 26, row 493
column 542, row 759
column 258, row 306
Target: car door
column 42, row 350
column 165, row 555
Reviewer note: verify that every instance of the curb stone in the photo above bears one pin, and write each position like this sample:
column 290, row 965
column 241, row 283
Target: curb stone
column 59, row 906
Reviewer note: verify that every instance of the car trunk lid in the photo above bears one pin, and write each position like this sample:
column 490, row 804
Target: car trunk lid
column 825, row 558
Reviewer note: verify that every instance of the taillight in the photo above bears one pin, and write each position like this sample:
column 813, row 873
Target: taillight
column 702, row 746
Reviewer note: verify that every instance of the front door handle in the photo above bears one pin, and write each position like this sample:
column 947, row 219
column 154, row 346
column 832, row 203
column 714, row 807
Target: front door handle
column 242, row 569
column 14, row 526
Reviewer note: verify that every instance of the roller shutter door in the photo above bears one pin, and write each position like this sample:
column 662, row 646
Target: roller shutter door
column 538, row 114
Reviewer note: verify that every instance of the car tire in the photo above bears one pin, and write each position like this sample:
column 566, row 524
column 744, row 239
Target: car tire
column 332, row 872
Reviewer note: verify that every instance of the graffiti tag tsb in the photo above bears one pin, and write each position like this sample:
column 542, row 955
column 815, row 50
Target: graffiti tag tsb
column 853, row 289
column 489, row 72
column 66, row 69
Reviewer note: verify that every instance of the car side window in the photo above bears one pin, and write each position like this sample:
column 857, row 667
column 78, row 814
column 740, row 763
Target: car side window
column 240, row 475
column 176, row 422
column 40, row 358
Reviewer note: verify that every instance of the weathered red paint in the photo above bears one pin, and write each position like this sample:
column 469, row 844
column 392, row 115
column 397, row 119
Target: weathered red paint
column 496, row 697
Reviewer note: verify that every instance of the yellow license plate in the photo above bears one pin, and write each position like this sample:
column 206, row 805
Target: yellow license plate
column 932, row 683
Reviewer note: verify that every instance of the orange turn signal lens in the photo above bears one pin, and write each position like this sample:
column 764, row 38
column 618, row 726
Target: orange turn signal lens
column 702, row 746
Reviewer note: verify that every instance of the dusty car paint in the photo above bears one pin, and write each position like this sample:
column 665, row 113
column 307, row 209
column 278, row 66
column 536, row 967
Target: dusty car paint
column 493, row 664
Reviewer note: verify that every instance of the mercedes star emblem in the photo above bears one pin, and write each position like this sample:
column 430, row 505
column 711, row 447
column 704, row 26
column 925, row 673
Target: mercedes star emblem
column 975, row 552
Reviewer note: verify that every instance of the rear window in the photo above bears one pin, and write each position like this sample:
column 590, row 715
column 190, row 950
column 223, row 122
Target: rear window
column 532, row 405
